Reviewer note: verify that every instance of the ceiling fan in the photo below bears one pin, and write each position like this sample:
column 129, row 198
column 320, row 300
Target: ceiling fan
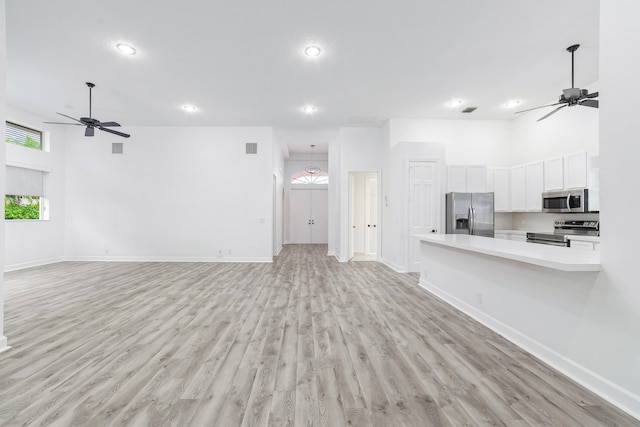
column 572, row 96
column 92, row 123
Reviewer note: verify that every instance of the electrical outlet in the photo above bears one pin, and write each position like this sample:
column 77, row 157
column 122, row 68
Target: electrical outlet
column 479, row 298
column 229, row 251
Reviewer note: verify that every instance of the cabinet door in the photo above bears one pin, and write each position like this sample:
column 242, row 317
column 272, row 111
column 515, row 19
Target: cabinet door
column 456, row 179
column 554, row 174
column 476, row 177
column 501, row 189
column 518, row 188
column 581, row 246
column 534, row 184
column 489, row 184
column 576, row 173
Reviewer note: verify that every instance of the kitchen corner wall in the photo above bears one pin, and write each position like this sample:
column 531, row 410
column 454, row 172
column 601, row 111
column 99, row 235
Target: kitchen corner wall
column 3, row 90
column 175, row 194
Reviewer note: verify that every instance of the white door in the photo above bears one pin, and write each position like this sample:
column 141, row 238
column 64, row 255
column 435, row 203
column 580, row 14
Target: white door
column 371, row 214
column 424, row 206
column 352, row 220
column 319, row 216
column 308, row 218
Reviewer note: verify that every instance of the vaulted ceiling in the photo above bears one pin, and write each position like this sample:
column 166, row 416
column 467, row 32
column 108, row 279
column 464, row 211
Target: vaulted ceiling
column 242, row 63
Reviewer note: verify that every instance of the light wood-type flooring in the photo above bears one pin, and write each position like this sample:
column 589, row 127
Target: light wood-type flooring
column 305, row 341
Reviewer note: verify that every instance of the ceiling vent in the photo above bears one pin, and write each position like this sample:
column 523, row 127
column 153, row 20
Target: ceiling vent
column 117, row 148
column 469, row 109
column 252, row 147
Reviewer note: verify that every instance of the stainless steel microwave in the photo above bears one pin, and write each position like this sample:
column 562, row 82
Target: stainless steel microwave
column 566, row 201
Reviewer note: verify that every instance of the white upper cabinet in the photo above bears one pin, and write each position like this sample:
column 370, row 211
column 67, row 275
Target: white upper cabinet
column 534, row 183
column 476, row 179
column 576, row 170
column 501, row 189
column 466, row 179
column 554, row 174
column 457, row 179
column 518, row 188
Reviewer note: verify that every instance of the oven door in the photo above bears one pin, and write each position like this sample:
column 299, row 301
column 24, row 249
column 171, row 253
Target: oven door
column 565, row 201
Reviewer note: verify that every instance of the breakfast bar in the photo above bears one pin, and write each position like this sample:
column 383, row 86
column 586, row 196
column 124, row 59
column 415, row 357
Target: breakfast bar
column 532, row 294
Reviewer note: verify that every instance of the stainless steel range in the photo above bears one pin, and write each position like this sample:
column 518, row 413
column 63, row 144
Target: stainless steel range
column 563, row 229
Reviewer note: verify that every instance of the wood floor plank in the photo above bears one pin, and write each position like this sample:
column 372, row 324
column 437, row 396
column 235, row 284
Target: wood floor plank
column 305, row 340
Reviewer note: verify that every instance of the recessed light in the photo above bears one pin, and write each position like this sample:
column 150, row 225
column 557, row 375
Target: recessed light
column 455, row 103
column 189, row 108
column 312, row 51
column 511, row 104
column 126, row 49
column 309, row 109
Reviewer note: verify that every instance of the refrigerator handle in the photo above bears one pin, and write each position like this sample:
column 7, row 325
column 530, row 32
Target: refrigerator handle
column 472, row 220
column 470, row 214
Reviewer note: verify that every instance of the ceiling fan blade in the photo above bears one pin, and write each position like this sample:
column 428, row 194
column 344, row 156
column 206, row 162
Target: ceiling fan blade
column 553, row 112
column 535, row 108
column 590, row 103
column 88, row 131
column 72, row 118
column 60, row 123
column 124, row 135
column 592, row 95
column 109, row 124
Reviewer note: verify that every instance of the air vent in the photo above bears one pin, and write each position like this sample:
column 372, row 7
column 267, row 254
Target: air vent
column 469, row 109
column 252, row 148
column 116, row 148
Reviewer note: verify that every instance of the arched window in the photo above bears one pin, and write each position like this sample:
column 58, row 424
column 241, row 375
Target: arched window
column 304, row 177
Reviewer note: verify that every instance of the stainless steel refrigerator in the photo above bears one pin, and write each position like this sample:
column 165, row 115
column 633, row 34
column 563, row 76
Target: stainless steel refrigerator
column 470, row 213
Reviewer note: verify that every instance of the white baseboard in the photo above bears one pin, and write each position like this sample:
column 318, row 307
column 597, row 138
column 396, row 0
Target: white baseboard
column 393, row 266
column 618, row 396
column 3, row 344
column 38, row 263
column 171, row 259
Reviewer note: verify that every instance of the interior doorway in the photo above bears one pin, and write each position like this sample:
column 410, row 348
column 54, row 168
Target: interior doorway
column 363, row 216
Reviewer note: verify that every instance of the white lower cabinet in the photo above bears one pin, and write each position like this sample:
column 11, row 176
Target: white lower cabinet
column 580, row 245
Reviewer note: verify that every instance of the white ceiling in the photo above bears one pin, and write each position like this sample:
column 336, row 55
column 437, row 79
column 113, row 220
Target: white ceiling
column 242, row 63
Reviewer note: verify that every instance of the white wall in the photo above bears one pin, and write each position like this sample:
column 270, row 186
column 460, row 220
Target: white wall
column 361, row 150
column 395, row 197
column 469, row 142
column 278, row 172
column 569, row 130
column 29, row 243
column 175, row 194
column 608, row 338
column 3, row 90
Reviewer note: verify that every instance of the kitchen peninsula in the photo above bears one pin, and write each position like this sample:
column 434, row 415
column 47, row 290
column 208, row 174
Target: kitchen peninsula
column 534, row 295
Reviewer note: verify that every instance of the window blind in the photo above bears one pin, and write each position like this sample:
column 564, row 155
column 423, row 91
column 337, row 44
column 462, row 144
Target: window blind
column 24, row 136
column 24, row 182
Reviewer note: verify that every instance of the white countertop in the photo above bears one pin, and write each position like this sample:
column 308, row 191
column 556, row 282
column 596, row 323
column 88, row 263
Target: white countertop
column 559, row 258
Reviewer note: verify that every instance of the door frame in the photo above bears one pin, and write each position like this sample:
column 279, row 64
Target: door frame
column 350, row 198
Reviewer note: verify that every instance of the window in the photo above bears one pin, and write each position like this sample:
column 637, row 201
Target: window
column 24, row 136
column 24, row 197
column 304, row 177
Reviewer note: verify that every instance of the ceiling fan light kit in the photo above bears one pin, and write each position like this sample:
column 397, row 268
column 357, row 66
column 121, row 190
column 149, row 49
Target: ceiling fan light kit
column 90, row 123
column 572, row 96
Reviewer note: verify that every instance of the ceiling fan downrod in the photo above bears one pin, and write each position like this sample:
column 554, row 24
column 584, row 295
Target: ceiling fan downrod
column 572, row 49
column 91, row 86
